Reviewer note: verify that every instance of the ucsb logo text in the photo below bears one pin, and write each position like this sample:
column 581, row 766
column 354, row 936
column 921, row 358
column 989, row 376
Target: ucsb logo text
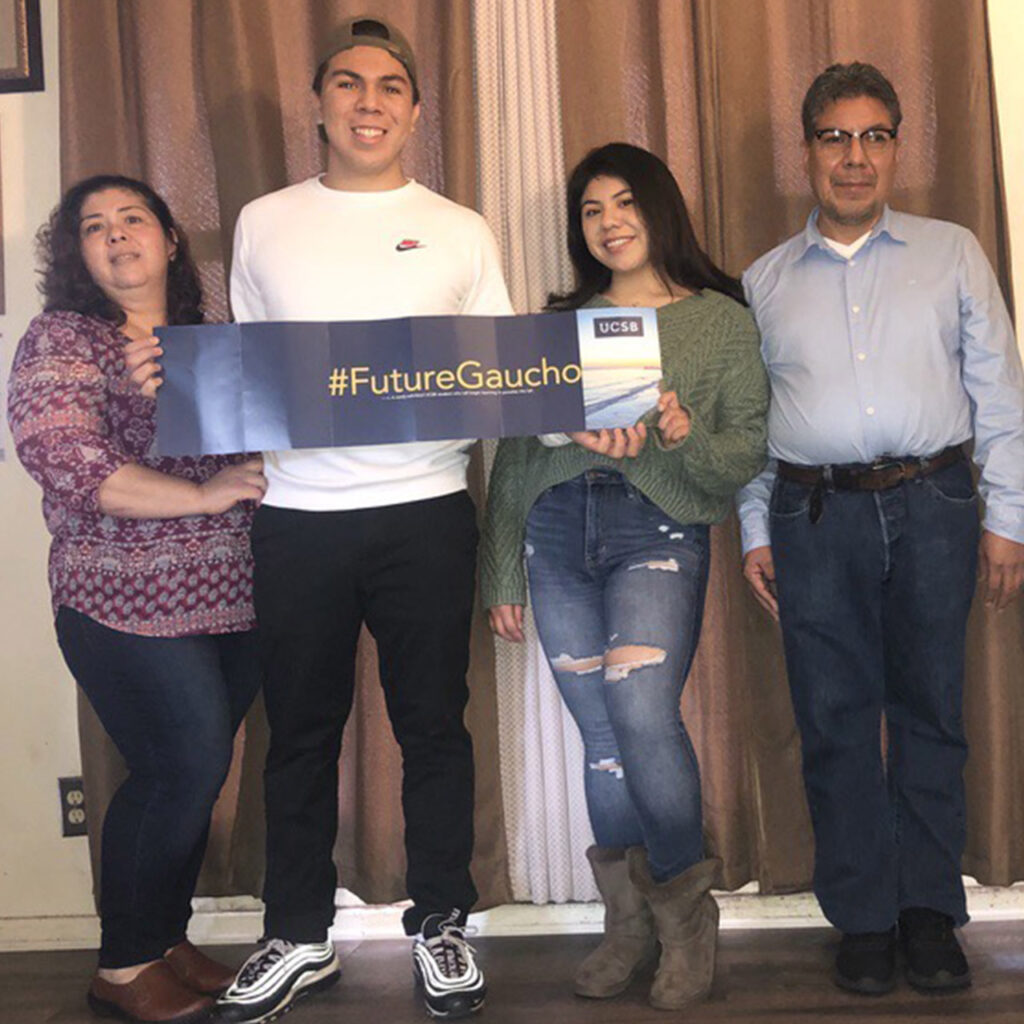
column 605, row 326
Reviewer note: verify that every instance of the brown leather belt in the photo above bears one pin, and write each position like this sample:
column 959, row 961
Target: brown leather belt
column 871, row 476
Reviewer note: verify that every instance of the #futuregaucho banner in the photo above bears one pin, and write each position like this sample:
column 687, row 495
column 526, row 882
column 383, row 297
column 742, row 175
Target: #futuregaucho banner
column 276, row 386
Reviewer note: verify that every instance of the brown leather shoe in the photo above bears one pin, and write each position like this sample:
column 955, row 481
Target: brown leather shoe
column 155, row 996
column 198, row 971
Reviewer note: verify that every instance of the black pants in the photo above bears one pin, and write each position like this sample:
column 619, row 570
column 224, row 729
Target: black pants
column 407, row 571
column 172, row 707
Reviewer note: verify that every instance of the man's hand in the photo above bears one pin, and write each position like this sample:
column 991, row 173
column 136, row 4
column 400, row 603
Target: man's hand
column 674, row 422
column 507, row 621
column 618, row 443
column 759, row 571
column 1001, row 568
column 141, row 366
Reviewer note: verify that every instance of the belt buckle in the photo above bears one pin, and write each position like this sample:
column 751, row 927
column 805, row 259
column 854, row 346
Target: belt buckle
column 882, row 464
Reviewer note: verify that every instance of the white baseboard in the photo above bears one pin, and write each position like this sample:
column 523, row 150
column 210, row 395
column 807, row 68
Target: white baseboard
column 238, row 919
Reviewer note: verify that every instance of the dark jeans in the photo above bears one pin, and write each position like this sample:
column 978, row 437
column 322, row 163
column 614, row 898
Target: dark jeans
column 171, row 706
column 608, row 569
column 873, row 601
column 407, row 571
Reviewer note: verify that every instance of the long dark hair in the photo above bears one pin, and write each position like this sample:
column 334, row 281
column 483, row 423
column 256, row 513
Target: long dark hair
column 674, row 252
column 66, row 283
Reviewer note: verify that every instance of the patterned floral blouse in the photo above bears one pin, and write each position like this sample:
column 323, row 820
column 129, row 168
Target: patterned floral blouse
column 75, row 421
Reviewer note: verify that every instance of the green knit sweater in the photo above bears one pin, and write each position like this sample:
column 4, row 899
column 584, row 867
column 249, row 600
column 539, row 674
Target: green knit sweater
column 710, row 354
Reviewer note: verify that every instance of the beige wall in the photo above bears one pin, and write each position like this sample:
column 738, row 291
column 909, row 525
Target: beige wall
column 41, row 874
column 1006, row 24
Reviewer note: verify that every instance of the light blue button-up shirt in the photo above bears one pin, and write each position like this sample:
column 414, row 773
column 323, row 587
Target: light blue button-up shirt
column 903, row 349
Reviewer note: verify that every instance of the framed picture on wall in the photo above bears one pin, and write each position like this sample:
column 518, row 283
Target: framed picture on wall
column 21, row 46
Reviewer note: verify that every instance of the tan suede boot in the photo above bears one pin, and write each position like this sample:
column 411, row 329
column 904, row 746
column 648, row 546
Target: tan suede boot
column 628, row 941
column 686, row 917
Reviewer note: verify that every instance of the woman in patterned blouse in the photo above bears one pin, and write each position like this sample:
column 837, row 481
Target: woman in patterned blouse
column 150, row 574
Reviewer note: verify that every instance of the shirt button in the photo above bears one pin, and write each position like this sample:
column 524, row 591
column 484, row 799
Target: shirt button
column 862, row 356
column 870, row 410
column 853, row 263
column 856, row 309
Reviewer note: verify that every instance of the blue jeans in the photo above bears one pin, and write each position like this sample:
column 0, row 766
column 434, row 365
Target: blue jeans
column 171, row 706
column 618, row 593
column 873, row 600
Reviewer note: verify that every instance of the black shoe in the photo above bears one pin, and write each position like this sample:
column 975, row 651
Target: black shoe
column 934, row 960
column 453, row 985
column 866, row 963
column 277, row 974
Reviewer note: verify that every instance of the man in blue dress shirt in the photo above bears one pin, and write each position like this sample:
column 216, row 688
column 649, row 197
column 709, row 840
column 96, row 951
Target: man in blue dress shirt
column 888, row 346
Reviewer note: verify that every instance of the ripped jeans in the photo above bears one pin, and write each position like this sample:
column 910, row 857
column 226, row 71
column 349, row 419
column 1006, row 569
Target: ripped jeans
column 618, row 594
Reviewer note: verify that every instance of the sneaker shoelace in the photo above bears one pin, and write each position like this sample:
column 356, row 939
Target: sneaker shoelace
column 450, row 951
column 262, row 960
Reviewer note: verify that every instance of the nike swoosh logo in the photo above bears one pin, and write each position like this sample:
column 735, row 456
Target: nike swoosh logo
column 409, row 243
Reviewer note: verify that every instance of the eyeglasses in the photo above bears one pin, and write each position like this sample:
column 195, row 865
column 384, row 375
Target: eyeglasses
column 839, row 140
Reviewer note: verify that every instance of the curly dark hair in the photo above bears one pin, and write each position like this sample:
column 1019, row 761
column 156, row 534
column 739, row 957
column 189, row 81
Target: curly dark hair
column 674, row 250
column 66, row 283
column 847, row 82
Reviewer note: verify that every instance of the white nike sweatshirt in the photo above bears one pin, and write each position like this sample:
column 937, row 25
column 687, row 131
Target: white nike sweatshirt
column 308, row 252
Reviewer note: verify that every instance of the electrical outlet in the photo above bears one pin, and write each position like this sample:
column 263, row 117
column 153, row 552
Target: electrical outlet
column 72, row 806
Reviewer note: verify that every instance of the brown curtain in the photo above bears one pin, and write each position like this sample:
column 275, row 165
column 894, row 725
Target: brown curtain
column 210, row 101
column 715, row 87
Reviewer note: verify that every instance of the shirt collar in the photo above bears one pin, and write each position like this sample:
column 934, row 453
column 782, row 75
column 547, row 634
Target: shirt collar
column 888, row 224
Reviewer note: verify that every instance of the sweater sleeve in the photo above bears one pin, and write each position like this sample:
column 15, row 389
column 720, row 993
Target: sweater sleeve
column 721, row 456
column 56, row 404
column 502, row 579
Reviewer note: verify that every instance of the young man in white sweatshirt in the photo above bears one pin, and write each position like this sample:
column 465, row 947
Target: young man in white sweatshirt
column 384, row 535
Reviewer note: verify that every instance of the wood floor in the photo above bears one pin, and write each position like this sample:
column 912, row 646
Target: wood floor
column 764, row 977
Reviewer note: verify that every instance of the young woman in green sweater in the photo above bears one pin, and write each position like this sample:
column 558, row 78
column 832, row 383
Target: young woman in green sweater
column 614, row 526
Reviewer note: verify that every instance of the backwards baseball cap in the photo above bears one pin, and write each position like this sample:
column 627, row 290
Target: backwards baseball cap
column 368, row 30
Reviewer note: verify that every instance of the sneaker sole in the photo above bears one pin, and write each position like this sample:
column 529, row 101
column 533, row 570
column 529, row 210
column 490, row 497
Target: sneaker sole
column 455, row 1013
column 317, row 982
